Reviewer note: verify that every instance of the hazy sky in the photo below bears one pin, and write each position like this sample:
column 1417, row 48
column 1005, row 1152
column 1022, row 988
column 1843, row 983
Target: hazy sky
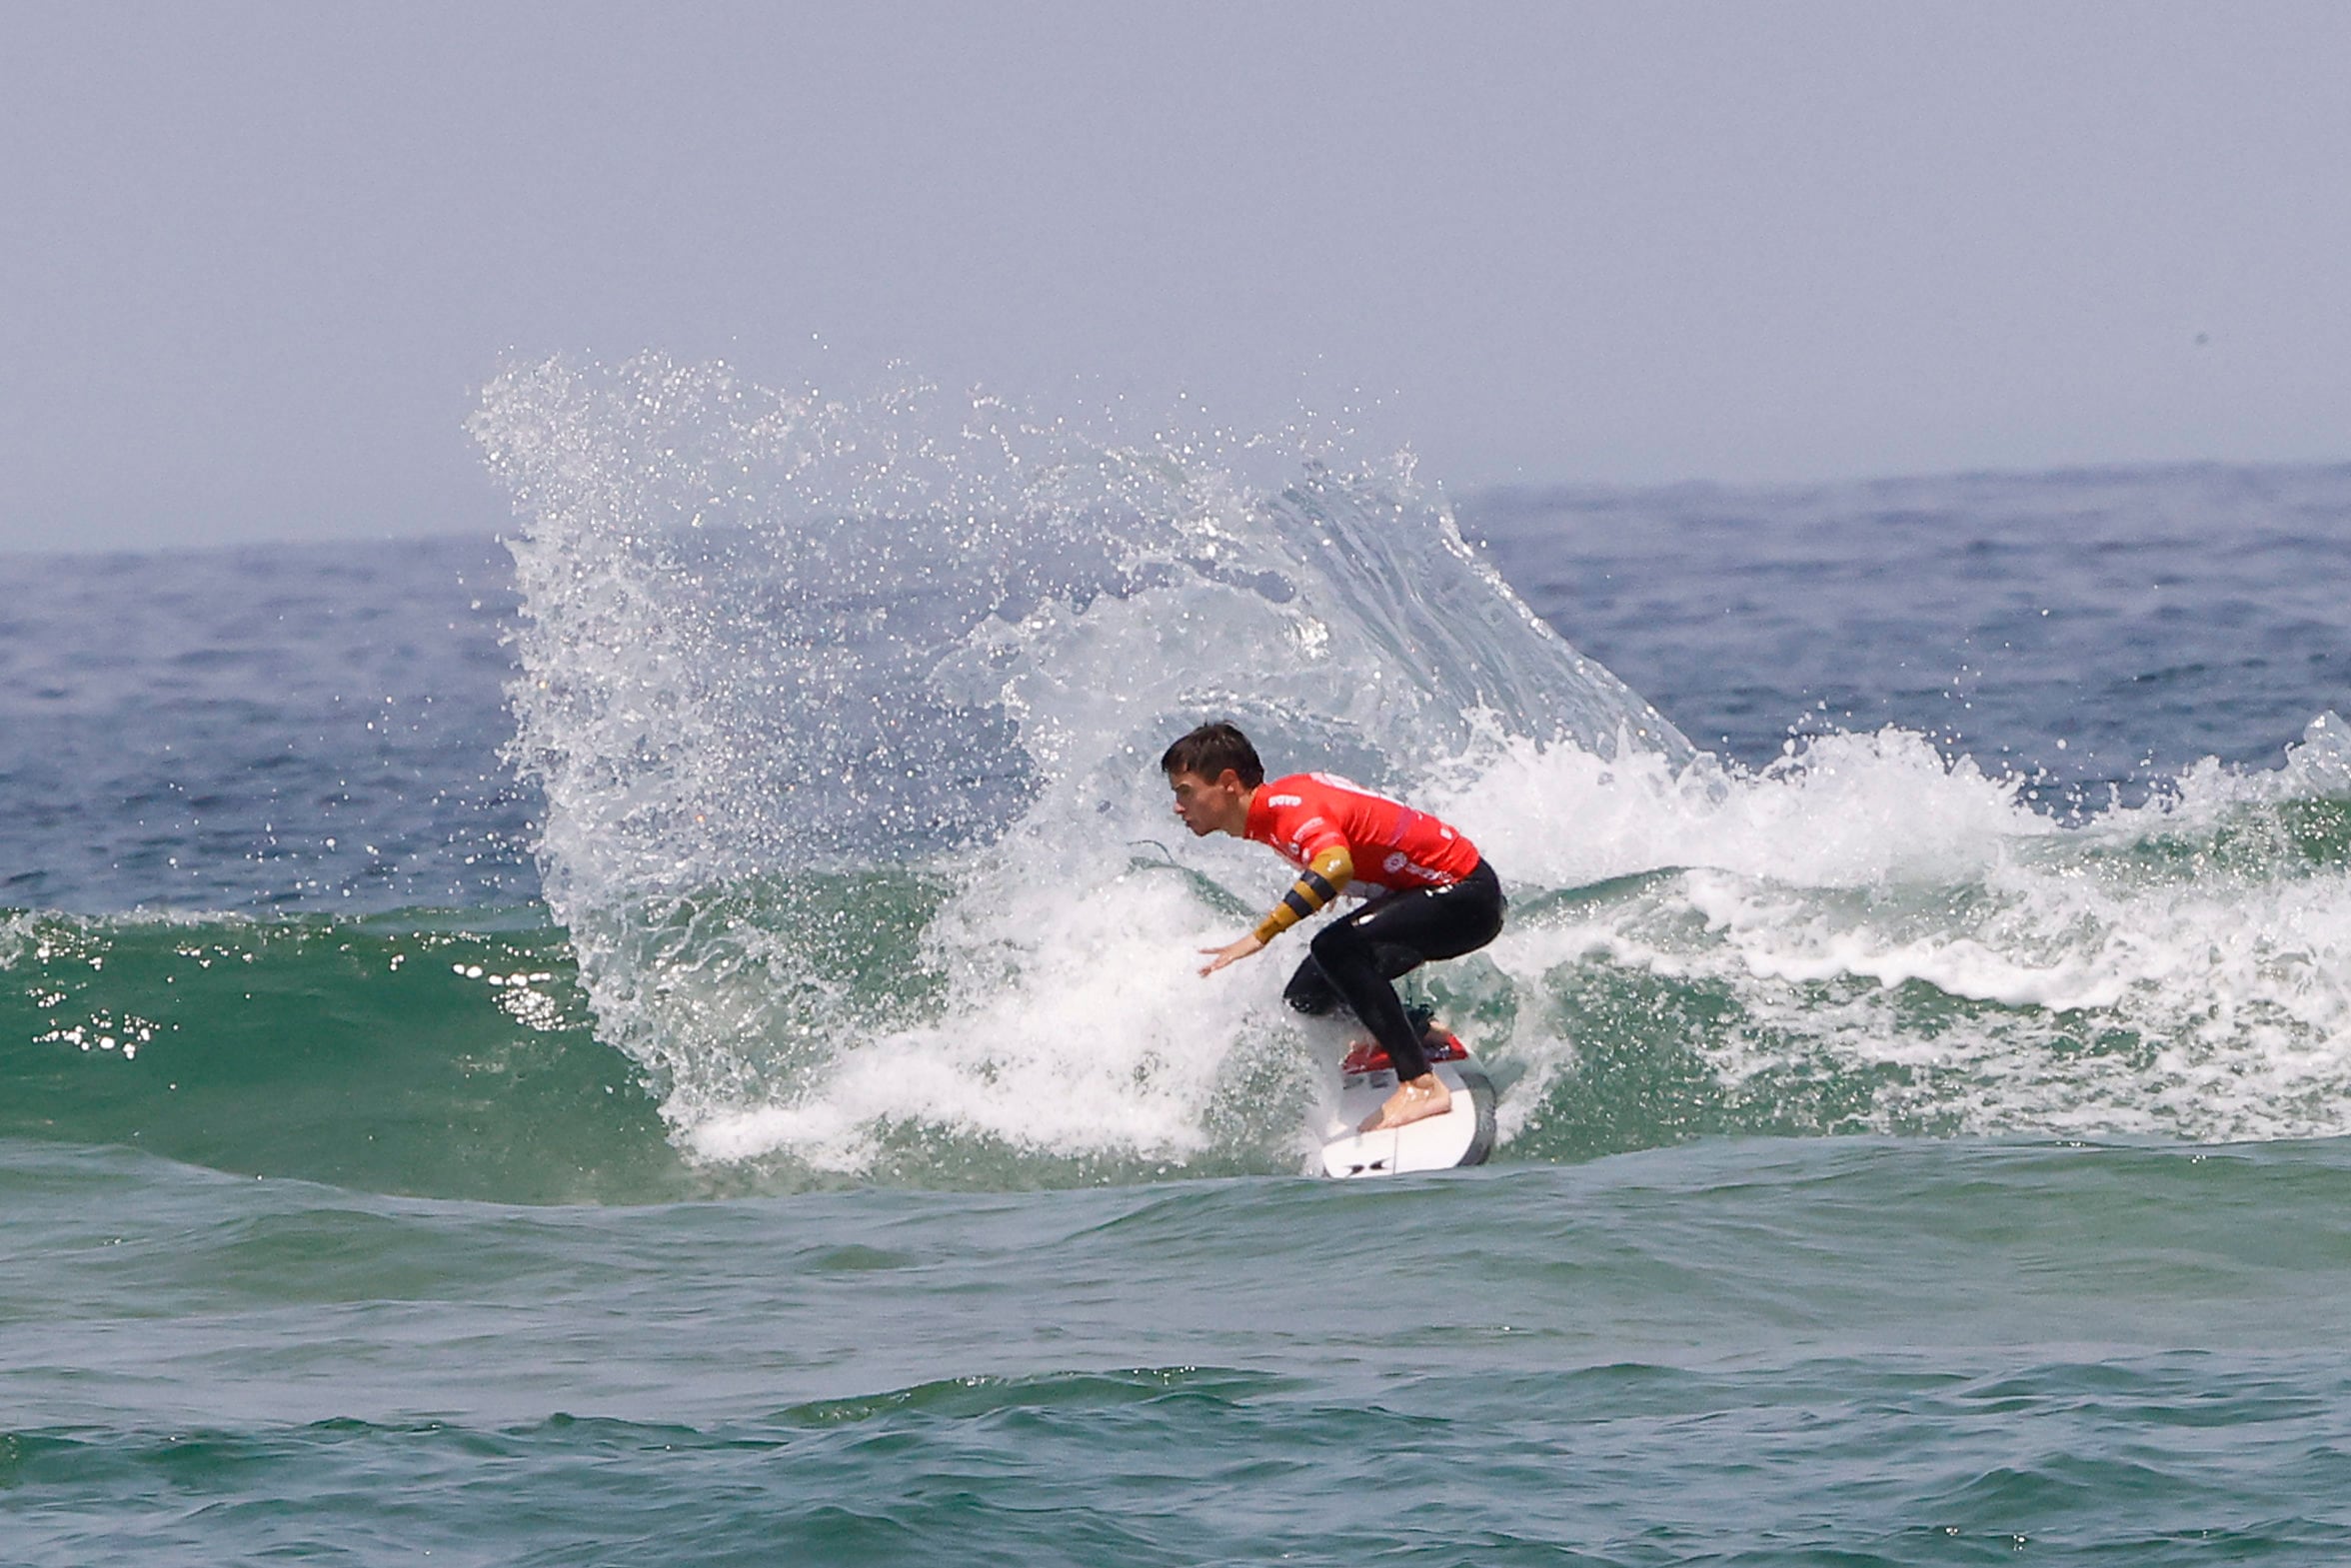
column 256, row 259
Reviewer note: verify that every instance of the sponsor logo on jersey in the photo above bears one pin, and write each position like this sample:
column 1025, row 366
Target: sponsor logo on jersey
column 1399, row 862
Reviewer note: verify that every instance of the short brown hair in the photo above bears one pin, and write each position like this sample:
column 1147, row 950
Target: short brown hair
column 1212, row 748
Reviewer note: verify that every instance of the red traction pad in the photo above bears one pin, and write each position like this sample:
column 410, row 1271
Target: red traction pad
column 1367, row 1056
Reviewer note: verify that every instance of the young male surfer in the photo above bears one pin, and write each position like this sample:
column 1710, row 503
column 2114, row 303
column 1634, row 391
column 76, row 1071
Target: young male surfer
column 1430, row 895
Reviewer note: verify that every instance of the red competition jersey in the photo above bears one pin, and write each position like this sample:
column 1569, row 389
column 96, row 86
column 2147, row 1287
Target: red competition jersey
column 1392, row 845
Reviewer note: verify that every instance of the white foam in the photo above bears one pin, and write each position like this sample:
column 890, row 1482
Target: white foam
column 17, row 936
column 1090, row 1035
column 2127, row 975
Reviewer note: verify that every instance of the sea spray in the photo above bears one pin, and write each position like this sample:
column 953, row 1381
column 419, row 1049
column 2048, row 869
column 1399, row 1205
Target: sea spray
column 928, row 639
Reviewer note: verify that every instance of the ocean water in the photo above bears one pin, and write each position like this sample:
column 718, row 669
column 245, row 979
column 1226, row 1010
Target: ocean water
column 672, row 1036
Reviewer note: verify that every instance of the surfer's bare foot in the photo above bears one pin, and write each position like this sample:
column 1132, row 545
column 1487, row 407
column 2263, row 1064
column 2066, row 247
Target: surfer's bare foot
column 1414, row 1099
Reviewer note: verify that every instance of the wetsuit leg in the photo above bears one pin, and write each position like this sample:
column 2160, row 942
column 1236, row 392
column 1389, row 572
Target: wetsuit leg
column 1309, row 992
column 1353, row 961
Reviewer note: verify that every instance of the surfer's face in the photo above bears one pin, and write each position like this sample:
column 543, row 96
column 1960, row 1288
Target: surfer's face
column 1210, row 806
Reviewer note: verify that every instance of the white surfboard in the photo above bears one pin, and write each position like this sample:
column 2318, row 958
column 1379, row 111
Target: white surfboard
column 1463, row 1136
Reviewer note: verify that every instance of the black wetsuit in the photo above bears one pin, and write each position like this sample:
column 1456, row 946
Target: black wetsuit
column 1353, row 961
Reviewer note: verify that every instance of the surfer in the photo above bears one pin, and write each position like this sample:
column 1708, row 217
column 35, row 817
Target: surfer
column 1428, row 892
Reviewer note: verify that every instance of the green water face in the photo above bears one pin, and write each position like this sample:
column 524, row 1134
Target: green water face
column 406, row 1055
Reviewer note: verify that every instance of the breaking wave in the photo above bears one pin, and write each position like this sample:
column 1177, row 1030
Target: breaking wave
column 846, row 712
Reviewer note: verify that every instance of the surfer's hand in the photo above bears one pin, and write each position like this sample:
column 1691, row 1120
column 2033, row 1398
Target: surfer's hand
column 1232, row 952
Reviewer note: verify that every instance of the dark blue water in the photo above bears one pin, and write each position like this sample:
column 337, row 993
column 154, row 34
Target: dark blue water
column 266, row 727
column 2097, row 631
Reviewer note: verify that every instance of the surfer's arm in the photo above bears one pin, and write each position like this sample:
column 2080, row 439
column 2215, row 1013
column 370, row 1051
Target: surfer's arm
column 1323, row 879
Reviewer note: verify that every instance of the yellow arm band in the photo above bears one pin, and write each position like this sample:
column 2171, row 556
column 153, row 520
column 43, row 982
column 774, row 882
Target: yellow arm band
column 1324, row 878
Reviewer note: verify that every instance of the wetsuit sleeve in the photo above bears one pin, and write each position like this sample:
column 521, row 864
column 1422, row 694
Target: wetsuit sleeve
column 1322, row 880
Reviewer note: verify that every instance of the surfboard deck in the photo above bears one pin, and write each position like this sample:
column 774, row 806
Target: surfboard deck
column 1463, row 1136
